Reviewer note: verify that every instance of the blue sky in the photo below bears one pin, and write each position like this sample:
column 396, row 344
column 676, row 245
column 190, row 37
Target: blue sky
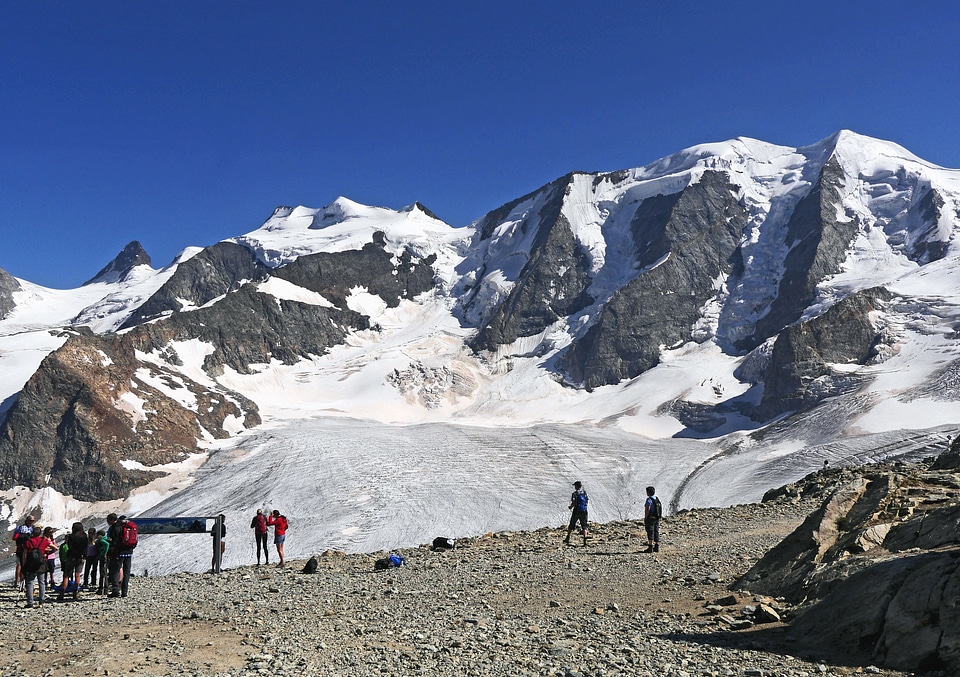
column 182, row 123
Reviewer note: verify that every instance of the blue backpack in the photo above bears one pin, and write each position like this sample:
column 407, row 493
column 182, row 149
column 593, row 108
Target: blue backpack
column 581, row 501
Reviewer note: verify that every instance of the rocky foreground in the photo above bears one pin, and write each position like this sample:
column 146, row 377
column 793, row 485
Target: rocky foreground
column 505, row 604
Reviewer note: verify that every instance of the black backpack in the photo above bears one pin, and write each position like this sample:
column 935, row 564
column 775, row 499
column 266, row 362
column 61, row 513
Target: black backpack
column 311, row 566
column 656, row 509
column 33, row 561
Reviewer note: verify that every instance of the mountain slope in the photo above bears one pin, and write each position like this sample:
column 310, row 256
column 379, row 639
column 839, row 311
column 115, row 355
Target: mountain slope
column 761, row 297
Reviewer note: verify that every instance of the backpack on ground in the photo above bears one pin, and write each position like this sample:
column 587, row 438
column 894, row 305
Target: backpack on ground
column 442, row 543
column 128, row 535
column 34, row 561
column 390, row 562
column 581, row 503
column 311, row 566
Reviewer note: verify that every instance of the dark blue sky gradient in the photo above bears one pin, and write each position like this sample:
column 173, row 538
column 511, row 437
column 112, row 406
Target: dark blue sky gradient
column 182, row 123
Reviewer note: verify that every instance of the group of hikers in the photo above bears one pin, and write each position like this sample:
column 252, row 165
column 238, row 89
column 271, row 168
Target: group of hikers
column 103, row 558
column 652, row 513
column 97, row 558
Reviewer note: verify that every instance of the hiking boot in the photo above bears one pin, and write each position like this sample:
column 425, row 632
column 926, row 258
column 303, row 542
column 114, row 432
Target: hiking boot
column 584, row 541
column 566, row 541
column 649, row 549
column 656, row 547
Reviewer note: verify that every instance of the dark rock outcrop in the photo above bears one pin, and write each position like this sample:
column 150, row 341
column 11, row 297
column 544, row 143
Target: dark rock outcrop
column 552, row 284
column 89, row 407
column 8, row 285
column 799, row 375
column 684, row 242
column 119, row 268
column 876, row 568
column 818, row 242
column 209, row 274
column 334, row 275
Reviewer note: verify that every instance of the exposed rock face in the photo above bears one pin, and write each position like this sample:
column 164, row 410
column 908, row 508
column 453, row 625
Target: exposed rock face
column 131, row 256
column 877, row 567
column 818, row 241
column 684, row 242
column 799, row 372
column 553, row 283
column 247, row 327
column 210, row 274
column 334, row 275
column 90, row 406
column 8, row 285
column 93, row 403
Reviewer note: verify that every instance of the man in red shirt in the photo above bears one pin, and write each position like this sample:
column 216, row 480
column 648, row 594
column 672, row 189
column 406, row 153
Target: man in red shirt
column 259, row 526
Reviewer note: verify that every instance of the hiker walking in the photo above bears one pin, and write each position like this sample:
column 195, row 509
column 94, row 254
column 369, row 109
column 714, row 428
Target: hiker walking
column 280, row 524
column 259, row 526
column 21, row 535
column 652, row 512
column 578, row 504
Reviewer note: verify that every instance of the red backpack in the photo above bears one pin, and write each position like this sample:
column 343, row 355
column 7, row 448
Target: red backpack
column 128, row 535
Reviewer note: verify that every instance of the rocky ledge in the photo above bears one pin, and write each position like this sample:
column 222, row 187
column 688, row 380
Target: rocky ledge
column 503, row 604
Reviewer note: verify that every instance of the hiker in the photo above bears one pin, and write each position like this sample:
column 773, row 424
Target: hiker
column 51, row 556
column 223, row 542
column 90, row 562
column 123, row 539
column 652, row 512
column 578, row 504
column 103, row 546
column 280, row 524
column 72, row 554
column 21, row 535
column 34, row 564
column 259, row 526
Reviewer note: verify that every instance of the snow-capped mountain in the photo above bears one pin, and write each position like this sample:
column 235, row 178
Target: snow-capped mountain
column 731, row 315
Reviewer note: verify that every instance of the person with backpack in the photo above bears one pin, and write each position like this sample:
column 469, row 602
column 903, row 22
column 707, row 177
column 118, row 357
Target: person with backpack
column 34, row 564
column 652, row 512
column 123, row 539
column 21, row 535
column 73, row 552
column 578, row 504
column 259, row 526
column 280, row 524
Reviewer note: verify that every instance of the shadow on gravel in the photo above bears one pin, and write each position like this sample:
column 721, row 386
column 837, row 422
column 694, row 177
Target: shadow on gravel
column 770, row 640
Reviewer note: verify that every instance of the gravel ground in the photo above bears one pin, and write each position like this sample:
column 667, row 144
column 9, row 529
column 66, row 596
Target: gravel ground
column 504, row 604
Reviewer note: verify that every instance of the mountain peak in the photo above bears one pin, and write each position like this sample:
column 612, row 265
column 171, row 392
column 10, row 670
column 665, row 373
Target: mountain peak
column 119, row 268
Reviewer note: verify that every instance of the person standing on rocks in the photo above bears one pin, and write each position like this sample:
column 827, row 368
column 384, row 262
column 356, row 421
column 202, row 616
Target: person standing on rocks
column 51, row 556
column 72, row 563
column 21, row 535
column 652, row 512
column 120, row 554
column 578, row 504
column 280, row 524
column 103, row 547
column 34, row 568
column 259, row 526
column 90, row 563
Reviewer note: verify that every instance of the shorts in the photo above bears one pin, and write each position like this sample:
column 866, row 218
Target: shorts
column 652, row 527
column 278, row 540
column 579, row 516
